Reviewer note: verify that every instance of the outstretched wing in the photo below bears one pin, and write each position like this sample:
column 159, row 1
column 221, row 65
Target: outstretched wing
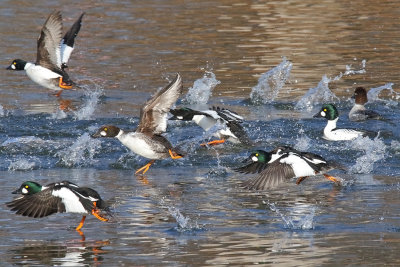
column 153, row 115
column 48, row 44
column 275, row 174
column 228, row 115
column 67, row 43
column 37, row 205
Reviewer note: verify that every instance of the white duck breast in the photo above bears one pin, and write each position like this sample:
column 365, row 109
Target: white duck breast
column 139, row 143
column 300, row 165
column 70, row 200
column 41, row 75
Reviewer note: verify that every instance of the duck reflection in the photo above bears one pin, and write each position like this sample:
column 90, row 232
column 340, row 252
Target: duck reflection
column 52, row 253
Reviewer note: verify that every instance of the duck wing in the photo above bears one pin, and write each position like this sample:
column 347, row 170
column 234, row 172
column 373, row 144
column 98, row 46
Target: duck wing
column 275, row 174
column 67, row 43
column 153, row 115
column 48, row 44
column 37, row 205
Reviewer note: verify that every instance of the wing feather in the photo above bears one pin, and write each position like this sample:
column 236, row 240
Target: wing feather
column 49, row 42
column 153, row 115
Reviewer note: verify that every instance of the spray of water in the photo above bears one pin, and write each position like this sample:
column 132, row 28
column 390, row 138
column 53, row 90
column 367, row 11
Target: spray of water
column 373, row 94
column 270, row 83
column 318, row 95
column 91, row 100
column 21, row 165
column 184, row 222
column 301, row 216
column 81, row 152
column 202, row 89
column 374, row 150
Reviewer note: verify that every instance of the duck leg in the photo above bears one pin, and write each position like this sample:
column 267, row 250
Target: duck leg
column 301, row 179
column 174, row 155
column 63, row 84
column 80, row 224
column 213, row 143
column 145, row 168
column 95, row 213
column 333, row 179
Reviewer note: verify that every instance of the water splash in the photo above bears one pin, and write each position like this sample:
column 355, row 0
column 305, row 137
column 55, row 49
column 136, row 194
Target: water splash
column 21, row 165
column 81, row 152
column 318, row 95
column 374, row 150
column 303, row 143
column 184, row 222
column 373, row 94
column 301, row 216
column 202, row 89
column 91, row 100
column 2, row 111
column 350, row 71
column 270, row 83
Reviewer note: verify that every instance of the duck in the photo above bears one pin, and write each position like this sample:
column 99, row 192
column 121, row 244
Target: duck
column 38, row 201
column 147, row 140
column 284, row 163
column 231, row 131
column 53, row 53
column 359, row 112
column 331, row 133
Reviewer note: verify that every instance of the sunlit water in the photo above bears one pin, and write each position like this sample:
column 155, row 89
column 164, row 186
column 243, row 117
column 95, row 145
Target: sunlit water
column 275, row 64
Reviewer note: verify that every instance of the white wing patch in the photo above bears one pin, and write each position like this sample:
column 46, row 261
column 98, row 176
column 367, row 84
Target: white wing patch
column 299, row 165
column 65, row 52
column 70, row 200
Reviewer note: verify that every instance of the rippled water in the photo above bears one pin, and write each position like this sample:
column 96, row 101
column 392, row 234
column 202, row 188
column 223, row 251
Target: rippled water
column 274, row 63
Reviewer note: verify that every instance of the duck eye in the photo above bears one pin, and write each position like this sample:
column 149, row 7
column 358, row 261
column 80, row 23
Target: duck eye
column 256, row 154
column 15, row 63
column 105, row 129
column 26, row 186
column 325, row 109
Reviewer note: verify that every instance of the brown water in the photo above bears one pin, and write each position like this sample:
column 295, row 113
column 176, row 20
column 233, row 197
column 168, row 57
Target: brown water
column 193, row 212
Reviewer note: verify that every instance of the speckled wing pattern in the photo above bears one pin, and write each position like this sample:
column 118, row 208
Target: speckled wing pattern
column 274, row 174
column 153, row 115
column 48, row 44
column 37, row 205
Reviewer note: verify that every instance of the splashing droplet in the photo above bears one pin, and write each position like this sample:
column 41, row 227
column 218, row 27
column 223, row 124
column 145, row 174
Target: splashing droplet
column 202, row 89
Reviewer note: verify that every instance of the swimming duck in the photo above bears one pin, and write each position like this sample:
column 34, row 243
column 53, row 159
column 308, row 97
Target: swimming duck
column 206, row 119
column 38, row 201
column 147, row 140
column 283, row 163
column 53, row 52
column 359, row 112
column 329, row 112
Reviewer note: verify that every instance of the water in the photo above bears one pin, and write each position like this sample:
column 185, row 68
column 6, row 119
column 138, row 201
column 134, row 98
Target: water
column 192, row 211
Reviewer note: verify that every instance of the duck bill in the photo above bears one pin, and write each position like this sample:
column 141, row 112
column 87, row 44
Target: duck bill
column 11, row 67
column 318, row 115
column 18, row 191
column 96, row 135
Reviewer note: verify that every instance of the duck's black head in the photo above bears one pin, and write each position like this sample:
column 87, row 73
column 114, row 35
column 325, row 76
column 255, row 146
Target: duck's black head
column 260, row 156
column 184, row 114
column 17, row 64
column 328, row 111
column 28, row 188
column 107, row 131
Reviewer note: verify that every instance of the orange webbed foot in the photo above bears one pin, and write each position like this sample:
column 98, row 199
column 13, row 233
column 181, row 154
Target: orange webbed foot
column 145, row 168
column 174, row 155
column 64, row 85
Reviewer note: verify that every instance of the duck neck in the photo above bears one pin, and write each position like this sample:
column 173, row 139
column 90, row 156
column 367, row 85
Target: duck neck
column 331, row 125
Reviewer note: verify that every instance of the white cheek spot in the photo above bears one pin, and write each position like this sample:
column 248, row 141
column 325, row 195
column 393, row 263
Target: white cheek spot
column 103, row 133
column 323, row 114
column 179, row 117
column 13, row 67
column 254, row 158
column 24, row 191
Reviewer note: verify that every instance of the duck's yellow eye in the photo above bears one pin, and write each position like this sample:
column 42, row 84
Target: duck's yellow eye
column 256, row 154
column 105, row 129
column 26, row 186
column 325, row 109
column 15, row 63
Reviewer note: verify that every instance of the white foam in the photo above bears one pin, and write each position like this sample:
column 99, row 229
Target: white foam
column 81, row 152
column 21, row 165
column 184, row 222
column 87, row 109
column 202, row 88
column 300, row 216
column 270, row 83
column 374, row 150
